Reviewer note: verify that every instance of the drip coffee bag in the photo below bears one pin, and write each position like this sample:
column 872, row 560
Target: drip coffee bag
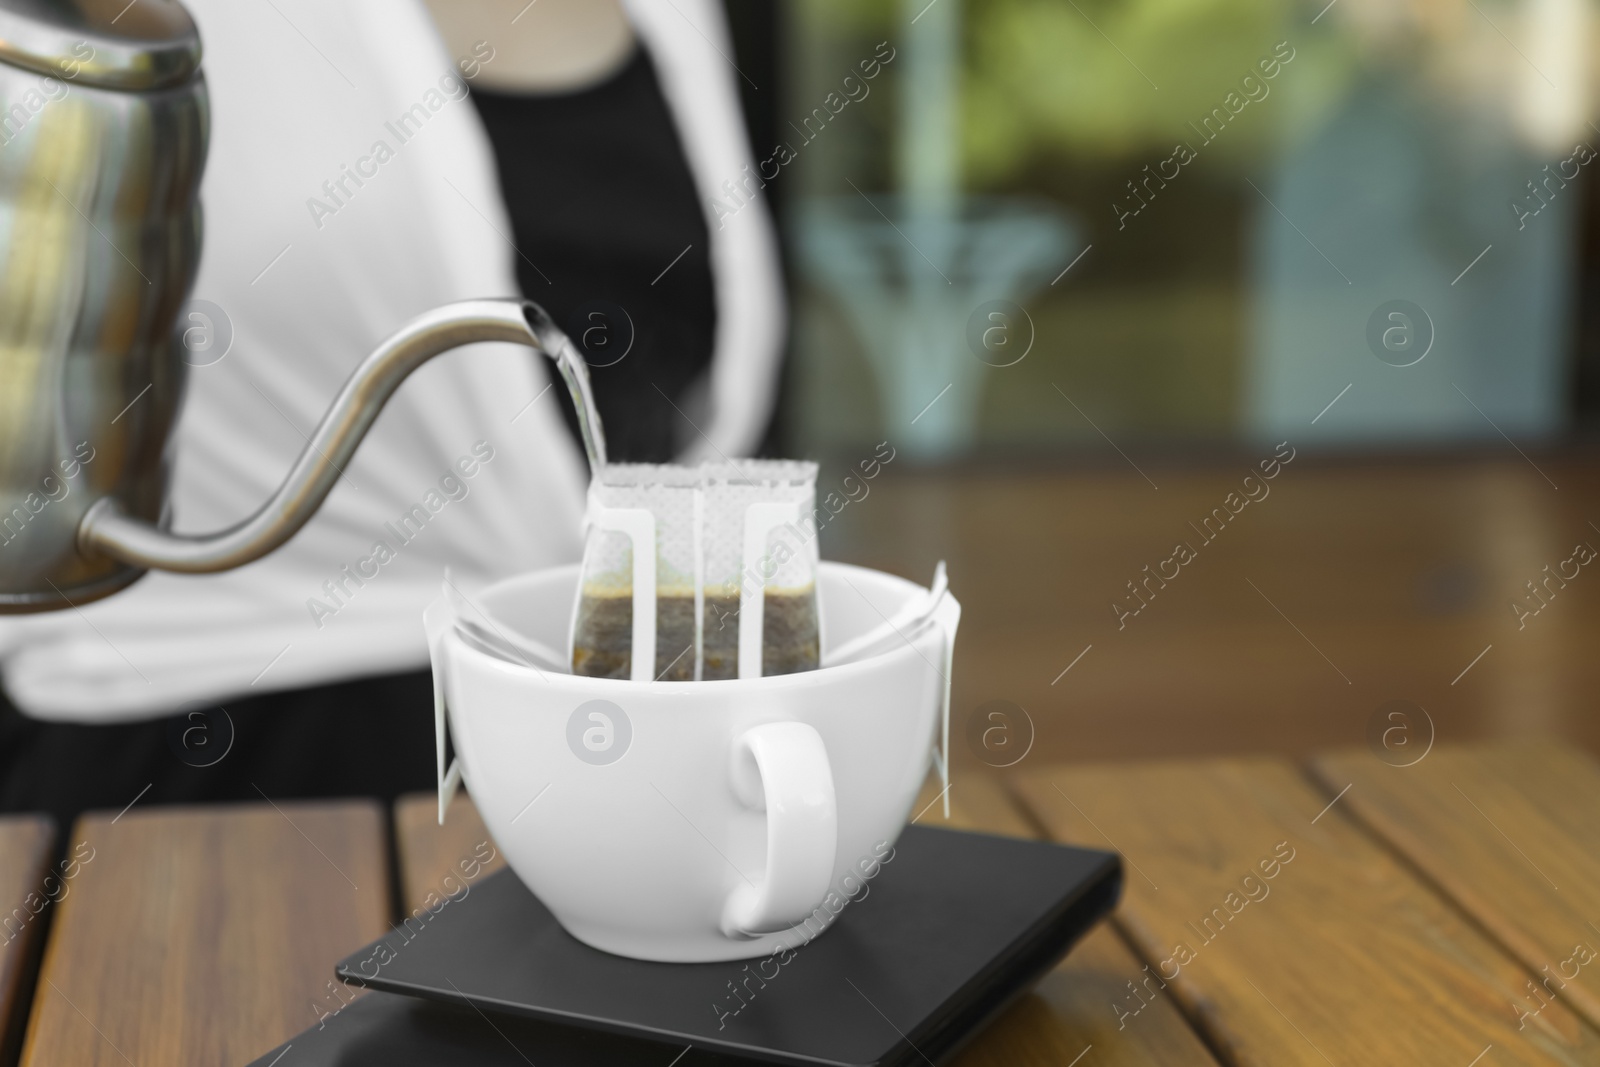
column 713, row 568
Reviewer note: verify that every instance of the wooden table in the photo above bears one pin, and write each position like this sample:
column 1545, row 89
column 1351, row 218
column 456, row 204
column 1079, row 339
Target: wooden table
column 1343, row 912
column 1359, row 580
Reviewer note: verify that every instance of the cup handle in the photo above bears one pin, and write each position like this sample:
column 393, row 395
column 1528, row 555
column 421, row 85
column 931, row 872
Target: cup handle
column 782, row 768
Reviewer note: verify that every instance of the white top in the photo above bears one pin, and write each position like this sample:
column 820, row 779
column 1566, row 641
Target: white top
column 302, row 94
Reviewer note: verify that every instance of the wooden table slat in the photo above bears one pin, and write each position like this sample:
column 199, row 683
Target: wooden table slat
column 1069, row 1011
column 1511, row 832
column 206, row 936
column 26, row 843
column 429, row 853
column 1342, row 956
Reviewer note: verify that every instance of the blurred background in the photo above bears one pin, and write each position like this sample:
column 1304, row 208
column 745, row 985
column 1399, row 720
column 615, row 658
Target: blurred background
column 1085, row 265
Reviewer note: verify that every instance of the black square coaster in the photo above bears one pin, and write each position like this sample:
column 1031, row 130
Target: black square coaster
column 952, row 928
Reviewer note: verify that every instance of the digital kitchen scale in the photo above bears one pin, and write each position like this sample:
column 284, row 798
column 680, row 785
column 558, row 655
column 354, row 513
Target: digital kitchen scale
column 953, row 928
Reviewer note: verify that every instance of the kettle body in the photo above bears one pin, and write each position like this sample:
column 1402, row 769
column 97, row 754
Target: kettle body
column 103, row 130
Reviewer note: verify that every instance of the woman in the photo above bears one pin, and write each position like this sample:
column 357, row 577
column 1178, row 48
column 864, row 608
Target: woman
column 351, row 185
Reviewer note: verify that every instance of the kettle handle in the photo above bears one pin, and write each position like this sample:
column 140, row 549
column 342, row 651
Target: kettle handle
column 106, row 530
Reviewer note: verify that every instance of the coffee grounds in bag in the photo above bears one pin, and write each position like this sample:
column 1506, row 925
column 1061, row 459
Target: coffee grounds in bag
column 603, row 638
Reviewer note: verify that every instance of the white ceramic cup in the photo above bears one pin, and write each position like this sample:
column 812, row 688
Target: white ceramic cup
column 694, row 821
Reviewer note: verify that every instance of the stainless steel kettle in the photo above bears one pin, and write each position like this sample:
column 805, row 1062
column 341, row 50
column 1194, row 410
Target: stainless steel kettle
column 103, row 129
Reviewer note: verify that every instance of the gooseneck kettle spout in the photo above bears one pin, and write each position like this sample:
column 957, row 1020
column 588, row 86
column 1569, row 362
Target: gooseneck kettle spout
column 106, row 530
column 107, row 533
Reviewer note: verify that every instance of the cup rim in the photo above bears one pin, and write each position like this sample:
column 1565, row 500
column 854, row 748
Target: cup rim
column 880, row 661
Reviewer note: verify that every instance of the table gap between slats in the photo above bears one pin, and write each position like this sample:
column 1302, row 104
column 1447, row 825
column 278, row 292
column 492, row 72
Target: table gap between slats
column 27, row 847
